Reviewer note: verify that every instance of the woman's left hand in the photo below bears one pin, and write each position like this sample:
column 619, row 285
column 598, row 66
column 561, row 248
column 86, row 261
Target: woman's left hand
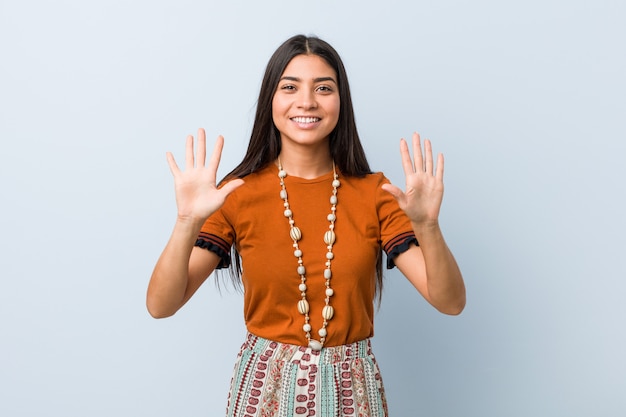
column 424, row 183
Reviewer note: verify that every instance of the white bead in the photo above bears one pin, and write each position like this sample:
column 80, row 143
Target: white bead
column 315, row 345
column 328, row 312
column 297, row 253
column 283, row 194
column 333, row 199
column 331, row 217
column 287, row 213
column 322, row 332
column 329, row 237
column 306, row 327
column 286, row 204
column 301, row 271
column 336, row 183
column 330, row 255
column 327, row 273
column 282, row 173
column 295, row 233
column 329, row 292
column 302, row 287
column 303, row 306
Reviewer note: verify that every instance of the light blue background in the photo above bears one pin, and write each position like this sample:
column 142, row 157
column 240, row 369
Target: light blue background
column 526, row 99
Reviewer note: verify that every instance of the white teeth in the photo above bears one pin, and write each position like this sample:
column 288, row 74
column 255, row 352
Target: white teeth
column 305, row 119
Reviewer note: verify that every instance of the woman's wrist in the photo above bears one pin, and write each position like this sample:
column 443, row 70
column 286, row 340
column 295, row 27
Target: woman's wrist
column 189, row 224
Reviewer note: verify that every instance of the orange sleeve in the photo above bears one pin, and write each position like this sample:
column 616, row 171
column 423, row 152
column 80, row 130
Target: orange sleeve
column 396, row 233
column 218, row 234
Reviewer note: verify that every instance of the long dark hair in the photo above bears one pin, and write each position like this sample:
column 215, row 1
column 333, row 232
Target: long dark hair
column 265, row 145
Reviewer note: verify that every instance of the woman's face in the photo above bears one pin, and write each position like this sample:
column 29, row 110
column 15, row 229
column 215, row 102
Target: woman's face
column 305, row 107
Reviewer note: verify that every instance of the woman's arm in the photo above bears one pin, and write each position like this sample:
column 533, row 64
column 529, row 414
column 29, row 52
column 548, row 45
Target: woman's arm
column 179, row 272
column 181, row 268
column 433, row 271
column 431, row 267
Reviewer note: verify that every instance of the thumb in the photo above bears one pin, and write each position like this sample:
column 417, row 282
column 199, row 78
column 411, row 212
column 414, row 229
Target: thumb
column 172, row 164
column 230, row 186
column 396, row 192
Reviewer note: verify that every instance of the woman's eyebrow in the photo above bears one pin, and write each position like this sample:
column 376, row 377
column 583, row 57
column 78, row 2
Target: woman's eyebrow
column 316, row 80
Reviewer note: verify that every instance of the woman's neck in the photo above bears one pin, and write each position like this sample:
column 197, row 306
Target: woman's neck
column 306, row 164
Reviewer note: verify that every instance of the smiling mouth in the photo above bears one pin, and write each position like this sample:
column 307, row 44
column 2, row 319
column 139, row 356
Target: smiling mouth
column 306, row 119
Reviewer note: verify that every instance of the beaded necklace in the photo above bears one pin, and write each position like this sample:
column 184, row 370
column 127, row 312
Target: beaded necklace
column 329, row 239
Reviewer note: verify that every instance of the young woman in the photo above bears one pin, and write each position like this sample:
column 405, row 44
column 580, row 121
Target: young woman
column 302, row 222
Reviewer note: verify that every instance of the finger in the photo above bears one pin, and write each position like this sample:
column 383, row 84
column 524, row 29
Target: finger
column 189, row 153
column 396, row 192
column 201, row 156
column 428, row 151
column 214, row 162
column 172, row 164
column 230, row 186
column 417, row 152
column 407, row 163
column 440, row 167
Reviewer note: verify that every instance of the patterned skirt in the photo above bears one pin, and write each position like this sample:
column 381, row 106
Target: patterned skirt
column 274, row 379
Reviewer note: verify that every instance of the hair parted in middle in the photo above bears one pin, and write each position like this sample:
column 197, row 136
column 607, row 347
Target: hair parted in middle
column 265, row 142
column 265, row 145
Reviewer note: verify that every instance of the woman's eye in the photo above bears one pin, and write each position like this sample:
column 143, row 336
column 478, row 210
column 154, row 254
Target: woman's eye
column 288, row 87
column 324, row 89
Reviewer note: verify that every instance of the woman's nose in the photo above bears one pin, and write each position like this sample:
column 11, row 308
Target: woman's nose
column 306, row 100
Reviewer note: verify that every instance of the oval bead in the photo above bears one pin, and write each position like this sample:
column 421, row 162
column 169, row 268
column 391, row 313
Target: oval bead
column 322, row 332
column 331, row 217
column 287, row 213
column 295, row 233
column 301, row 271
column 329, row 292
column 328, row 273
column 315, row 345
column 297, row 253
column 302, row 287
column 336, row 183
column 328, row 312
column 329, row 237
column 303, row 306
column 282, row 173
column 333, row 199
column 306, row 327
column 283, row 194
column 330, row 255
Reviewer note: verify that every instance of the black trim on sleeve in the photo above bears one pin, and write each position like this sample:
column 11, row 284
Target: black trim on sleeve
column 216, row 245
column 398, row 245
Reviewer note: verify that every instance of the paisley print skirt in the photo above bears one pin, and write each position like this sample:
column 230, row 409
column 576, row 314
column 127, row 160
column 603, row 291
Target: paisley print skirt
column 274, row 379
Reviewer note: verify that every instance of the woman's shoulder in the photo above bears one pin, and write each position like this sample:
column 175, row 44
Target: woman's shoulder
column 258, row 177
column 370, row 179
column 367, row 187
column 255, row 191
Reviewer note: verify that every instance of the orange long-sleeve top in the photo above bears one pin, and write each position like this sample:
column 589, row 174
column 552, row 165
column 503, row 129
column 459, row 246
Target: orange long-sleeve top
column 252, row 219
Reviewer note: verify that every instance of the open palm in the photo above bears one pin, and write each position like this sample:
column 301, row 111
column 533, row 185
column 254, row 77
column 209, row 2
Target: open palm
column 421, row 200
column 197, row 195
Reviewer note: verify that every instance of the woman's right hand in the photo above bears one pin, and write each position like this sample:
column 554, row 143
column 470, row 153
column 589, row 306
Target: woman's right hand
column 197, row 195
